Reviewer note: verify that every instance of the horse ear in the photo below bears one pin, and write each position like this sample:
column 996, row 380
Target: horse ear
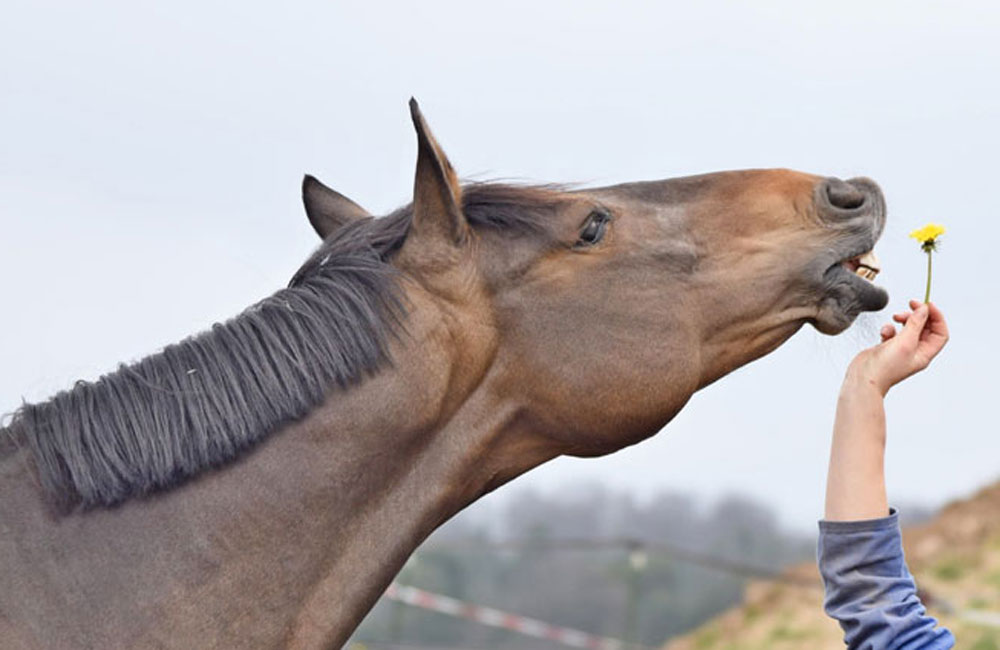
column 437, row 196
column 326, row 208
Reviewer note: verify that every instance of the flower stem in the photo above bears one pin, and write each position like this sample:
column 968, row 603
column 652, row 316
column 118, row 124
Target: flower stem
column 927, row 293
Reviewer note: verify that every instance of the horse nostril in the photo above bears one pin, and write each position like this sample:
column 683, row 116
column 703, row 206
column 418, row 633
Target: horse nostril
column 843, row 195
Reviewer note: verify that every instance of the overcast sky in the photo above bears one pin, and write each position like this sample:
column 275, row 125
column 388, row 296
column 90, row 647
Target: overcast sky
column 150, row 160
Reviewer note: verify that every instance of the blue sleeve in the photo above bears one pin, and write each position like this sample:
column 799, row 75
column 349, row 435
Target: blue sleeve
column 869, row 590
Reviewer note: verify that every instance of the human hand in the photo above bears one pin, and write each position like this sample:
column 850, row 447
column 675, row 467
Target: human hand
column 905, row 353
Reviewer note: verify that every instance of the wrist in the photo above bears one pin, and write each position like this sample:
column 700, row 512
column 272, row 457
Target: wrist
column 860, row 379
column 860, row 414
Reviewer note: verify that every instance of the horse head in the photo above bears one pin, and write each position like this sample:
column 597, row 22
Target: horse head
column 602, row 310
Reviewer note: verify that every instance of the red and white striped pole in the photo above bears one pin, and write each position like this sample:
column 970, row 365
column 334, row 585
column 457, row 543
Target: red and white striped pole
column 497, row 618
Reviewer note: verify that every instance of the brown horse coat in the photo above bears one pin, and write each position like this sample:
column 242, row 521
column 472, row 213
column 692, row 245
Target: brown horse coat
column 260, row 484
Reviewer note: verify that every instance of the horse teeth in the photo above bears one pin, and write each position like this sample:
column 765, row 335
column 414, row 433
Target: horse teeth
column 865, row 266
column 866, row 272
column 871, row 261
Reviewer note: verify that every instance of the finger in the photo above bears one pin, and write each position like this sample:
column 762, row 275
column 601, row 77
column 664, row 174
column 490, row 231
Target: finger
column 901, row 317
column 914, row 304
column 936, row 322
column 934, row 336
column 887, row 332
column 915, row 324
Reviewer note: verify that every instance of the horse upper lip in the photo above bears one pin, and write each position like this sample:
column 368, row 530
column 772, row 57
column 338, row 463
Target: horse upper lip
column 869, row 261
column 868, row 212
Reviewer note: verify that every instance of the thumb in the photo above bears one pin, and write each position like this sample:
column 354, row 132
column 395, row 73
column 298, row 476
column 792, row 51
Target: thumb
column 915, row 324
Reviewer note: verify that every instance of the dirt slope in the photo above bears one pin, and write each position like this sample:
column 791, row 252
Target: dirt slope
column 955, row 558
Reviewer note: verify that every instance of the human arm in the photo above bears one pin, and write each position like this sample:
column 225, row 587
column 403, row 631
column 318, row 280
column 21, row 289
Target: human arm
column 869, row 590
column 855, row 487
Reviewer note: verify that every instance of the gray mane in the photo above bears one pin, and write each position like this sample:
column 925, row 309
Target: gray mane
column 199, row 403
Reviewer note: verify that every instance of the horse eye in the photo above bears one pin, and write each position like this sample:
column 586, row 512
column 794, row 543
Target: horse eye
column 593, row 229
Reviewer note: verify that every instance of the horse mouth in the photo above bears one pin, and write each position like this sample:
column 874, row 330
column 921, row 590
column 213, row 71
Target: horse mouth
column 851, row 282
column 864, row 266
column 856, row 210
column 848, row 290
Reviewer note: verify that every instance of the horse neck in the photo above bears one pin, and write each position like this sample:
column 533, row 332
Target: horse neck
column 291, row 544
column 472, row 438
column 481, row 446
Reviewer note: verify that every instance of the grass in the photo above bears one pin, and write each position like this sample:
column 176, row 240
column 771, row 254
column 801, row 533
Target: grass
column 993, row 579
column 951, row 569
column 977, row 602
column 785, row 632
column 987, row 641
column 707, row 638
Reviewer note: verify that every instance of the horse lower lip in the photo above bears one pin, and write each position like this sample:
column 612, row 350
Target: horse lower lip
column 871, row 296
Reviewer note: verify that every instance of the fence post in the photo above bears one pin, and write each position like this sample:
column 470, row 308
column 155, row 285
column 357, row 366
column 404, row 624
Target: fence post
column 637, row 560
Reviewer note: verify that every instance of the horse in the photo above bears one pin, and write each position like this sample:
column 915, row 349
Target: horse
column 259, row 484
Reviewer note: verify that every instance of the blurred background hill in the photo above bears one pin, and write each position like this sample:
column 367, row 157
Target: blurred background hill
column 955, row 559
column 515, row 560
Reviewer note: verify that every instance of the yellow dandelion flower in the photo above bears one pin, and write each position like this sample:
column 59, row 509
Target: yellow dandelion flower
column 927, row 236
column 928, row 233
